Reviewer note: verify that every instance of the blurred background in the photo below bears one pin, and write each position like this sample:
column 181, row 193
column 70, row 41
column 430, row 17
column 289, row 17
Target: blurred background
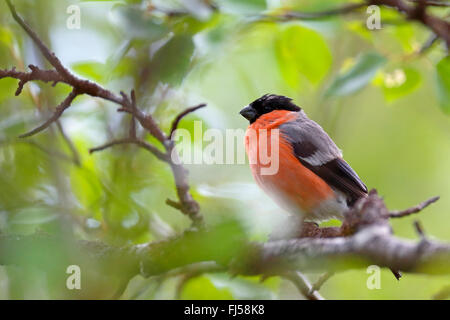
column 381, row 96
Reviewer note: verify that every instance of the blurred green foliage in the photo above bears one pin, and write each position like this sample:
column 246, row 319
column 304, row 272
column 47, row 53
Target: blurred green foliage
column 384, row 103
column 358, row 76
column 443, row 83
column 302, row 51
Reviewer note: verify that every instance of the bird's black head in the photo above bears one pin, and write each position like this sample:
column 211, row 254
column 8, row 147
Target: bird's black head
column 266, row 104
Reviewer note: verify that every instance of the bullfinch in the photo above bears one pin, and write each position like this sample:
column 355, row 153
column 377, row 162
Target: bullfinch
column 312, row 179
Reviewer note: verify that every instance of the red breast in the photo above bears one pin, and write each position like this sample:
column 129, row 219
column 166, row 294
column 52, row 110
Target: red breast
column 294, row 187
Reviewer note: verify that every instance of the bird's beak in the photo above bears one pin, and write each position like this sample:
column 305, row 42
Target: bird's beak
column 248, row 113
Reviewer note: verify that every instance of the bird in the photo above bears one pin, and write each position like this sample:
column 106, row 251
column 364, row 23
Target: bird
column 313, row 180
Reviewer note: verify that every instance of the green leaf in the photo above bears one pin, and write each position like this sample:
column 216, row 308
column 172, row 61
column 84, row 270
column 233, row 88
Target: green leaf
column 86, row 186
column 358, row 76
column 92, row 70
column 6, row 36
column 7, row 88
column 242, row 6
column 220, row 243
column 137, row 25
column 244, row 288
column 400, row 83
column 201, row 288
column 104, row 72
column 405, row 36
column 33, row 216
column 360, row 29
column 171, row 63
column 443, row 83
column 302, row 51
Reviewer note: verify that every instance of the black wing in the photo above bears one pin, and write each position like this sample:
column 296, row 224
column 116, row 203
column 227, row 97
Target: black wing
column 341, row 176
column 316, row 151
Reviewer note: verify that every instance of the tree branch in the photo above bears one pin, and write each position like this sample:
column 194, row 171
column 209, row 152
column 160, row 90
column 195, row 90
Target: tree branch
column 35, row 74
column 433, row 3
column 50, row 56
column 369, row 240
column 371, row 243
column 415, row 209
column 187, row 204
column 439, row 26
column 345, row 9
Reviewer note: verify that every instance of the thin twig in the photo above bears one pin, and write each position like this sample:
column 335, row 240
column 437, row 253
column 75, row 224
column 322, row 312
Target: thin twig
column 291, row 15
column 303, row 285
column 415, row 209
column 174, row 204
column 319, row 283
column 147, row 122
column 428, row 44
column 47, row 151
column 160, row 155
column 69, row 142
column 419, row 229
column 132, row 130
column 56, row 114
column 177, row 120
